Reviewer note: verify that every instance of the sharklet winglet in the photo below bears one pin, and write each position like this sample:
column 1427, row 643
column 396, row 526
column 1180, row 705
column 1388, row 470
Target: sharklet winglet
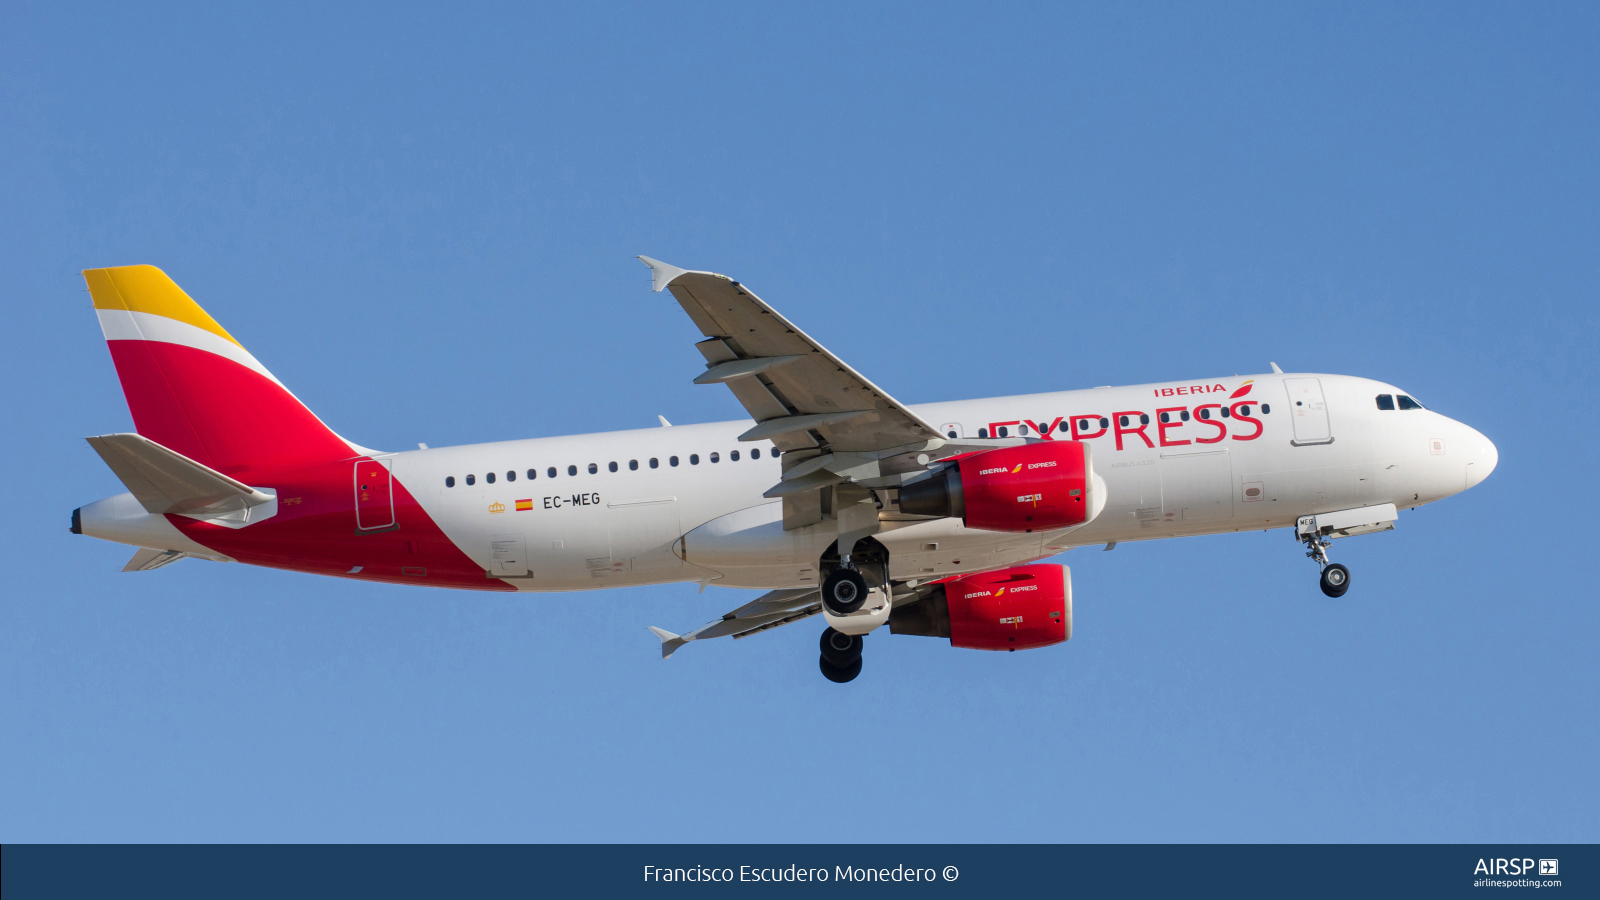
column 661, row 274
column 669, row 642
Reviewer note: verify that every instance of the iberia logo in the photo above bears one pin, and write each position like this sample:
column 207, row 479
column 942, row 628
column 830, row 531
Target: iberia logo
column 497, row 507
column 999, row 592
column 1017, row 469
column 524, row 505
column 1242, row 390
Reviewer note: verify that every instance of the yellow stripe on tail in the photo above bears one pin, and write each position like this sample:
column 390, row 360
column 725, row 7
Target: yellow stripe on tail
column 147, row 289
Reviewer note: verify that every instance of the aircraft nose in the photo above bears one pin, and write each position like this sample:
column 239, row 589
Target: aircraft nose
column 1482, row 458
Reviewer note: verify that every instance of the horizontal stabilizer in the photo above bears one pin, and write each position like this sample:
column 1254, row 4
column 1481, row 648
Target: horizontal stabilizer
column 169, row 483
column 147, row 559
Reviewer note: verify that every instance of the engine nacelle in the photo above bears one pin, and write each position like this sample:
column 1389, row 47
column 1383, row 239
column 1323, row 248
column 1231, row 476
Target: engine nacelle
column 1009, row 609
column 1034, row 487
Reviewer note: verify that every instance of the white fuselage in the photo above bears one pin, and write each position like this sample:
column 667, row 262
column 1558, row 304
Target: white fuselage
column 609, row 529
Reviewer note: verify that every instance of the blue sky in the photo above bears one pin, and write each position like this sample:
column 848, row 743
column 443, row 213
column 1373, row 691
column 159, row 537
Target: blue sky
column 422, row 219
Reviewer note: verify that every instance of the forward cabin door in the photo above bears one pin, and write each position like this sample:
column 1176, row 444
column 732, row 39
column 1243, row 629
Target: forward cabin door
column 1309, row 411
column 374, row 495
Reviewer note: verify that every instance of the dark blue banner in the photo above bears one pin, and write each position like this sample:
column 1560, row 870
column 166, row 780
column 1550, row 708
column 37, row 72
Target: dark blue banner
column 942, row 871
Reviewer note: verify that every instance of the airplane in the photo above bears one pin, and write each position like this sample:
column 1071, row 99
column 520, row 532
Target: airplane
column 833, row 497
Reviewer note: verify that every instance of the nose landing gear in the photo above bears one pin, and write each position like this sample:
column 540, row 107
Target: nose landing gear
column 1335, row 578
column 841, row 656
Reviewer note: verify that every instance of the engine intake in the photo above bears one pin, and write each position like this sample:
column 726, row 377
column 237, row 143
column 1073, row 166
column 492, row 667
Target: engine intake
column 1019, row 608
column 1040, row 486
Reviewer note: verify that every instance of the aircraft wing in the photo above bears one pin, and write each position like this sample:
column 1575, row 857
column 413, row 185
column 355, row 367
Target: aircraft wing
column 800, row 395
column 767, row 611
column 831, row 424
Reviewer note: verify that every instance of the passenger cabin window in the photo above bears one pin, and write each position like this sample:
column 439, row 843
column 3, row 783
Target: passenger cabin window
column 1004, row 431
column 449, row 481
column 611, row 467
column 715, row 457
column 633, row 465
column 1386, row 401
column 672, row 460
column 694, row 459
column 983, row 432
column 1408, row 403
column 593, row 469
column 532, row 474
column 489, row 478
column 1265, row 409
column 733, row 455
column 754, row 454
column 655, row 463
column 511, row 476
column 550, row 472
column 471, row 480
column 572, row 470
column 1065, row 426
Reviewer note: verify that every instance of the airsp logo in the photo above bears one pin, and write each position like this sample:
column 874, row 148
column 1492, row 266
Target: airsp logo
column 1516, row 867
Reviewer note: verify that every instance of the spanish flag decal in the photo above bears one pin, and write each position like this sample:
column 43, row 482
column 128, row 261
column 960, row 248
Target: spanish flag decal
column 524, row 505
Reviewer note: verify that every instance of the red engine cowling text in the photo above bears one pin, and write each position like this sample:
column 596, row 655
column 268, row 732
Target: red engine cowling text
column 1011, row 609
column 1032, row 487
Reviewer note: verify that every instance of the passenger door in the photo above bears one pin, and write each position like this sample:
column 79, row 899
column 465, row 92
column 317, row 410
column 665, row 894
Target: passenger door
column 1308, row 411
column 374, row 495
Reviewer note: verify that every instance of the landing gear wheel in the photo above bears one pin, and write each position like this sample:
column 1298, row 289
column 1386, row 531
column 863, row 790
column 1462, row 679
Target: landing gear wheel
column 1335, row 580
column 844, row 592
column 840, row 674
column 840, row 649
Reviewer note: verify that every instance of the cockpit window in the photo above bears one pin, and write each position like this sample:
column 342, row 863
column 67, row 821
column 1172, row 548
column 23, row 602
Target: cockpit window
column 1386, row 401
column 1408, row 403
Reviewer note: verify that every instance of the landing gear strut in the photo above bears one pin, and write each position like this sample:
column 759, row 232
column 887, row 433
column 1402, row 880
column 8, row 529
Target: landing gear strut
column 841, row 655
column 1335, row 577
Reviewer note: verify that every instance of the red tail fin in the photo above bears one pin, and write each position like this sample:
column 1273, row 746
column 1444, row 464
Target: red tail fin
column 193, row 388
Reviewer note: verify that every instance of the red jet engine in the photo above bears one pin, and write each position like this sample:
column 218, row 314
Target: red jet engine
column 1019, row 608
column 1034, row 487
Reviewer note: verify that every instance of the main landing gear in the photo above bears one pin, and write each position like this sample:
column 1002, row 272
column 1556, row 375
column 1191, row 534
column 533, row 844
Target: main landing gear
column 841, row 655
column 844, row 591
column 855, row 600
column 1335, row 577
